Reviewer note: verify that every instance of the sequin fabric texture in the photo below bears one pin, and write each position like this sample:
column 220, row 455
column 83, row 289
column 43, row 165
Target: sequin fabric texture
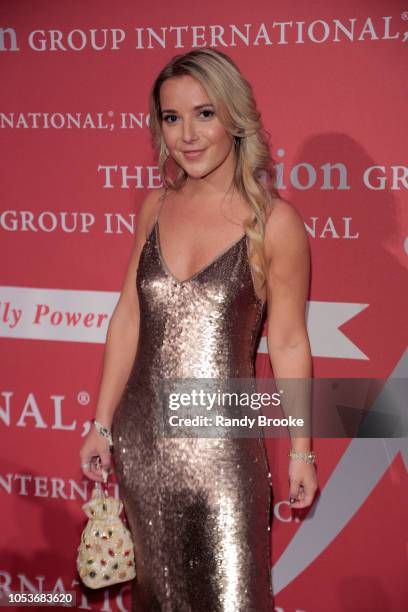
column 198, row 509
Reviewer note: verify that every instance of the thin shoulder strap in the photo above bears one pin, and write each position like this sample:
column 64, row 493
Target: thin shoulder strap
column 161, row 202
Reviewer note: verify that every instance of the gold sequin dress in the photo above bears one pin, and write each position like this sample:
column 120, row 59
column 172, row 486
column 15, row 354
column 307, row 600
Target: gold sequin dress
column 199, row 509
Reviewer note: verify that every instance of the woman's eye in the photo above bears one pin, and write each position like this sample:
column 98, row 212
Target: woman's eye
column 167, row 118
column 207, row 113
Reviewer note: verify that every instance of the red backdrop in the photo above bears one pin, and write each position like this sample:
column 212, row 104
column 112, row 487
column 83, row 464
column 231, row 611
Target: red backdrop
column 330, row 81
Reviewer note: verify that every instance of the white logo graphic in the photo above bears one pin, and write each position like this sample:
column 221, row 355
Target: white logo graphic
column 323, row 322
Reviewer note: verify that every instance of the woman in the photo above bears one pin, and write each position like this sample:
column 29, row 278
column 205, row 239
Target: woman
column 211, row 249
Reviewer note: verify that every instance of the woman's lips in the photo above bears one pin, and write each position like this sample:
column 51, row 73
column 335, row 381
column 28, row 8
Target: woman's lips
column 193, row 154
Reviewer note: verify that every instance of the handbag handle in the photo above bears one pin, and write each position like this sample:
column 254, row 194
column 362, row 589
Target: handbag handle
column 105, row 476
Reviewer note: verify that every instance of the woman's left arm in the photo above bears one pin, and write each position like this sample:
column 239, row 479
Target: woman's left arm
column 288, row 270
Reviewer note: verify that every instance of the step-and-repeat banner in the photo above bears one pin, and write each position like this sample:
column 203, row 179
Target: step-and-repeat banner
column 330, row 80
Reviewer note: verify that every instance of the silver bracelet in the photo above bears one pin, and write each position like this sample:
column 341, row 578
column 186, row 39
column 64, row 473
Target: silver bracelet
column 104, row 431
column 308, row 457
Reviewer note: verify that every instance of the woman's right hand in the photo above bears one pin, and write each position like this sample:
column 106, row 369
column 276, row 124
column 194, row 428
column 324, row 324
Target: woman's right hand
column 95, row 455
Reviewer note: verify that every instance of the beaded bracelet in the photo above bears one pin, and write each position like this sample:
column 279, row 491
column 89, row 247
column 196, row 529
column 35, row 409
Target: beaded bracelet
column 308, row 456
column 104, row 431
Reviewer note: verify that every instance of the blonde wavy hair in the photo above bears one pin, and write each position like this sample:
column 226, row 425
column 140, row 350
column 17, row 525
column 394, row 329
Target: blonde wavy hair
column 233, row 100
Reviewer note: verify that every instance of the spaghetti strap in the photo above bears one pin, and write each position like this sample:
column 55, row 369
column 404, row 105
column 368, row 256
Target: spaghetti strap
column 161, row 200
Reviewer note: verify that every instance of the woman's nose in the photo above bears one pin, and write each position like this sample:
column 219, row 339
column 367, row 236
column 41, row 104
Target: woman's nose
column 189, row 130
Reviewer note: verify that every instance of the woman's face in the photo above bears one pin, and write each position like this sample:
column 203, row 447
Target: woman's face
column 194, row 136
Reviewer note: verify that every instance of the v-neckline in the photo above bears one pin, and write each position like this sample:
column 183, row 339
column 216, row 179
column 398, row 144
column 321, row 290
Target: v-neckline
column 202, row 269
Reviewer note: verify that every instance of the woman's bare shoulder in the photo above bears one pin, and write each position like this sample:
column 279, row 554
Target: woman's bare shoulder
column 281, row 209
column 284, row 227
column 284, row 221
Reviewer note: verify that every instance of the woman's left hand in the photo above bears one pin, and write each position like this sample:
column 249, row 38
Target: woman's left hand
column 302, row 483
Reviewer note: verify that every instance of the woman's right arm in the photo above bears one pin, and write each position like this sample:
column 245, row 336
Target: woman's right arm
column 121, row 344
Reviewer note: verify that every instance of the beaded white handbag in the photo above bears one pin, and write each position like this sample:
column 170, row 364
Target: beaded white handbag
column 105, row 553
